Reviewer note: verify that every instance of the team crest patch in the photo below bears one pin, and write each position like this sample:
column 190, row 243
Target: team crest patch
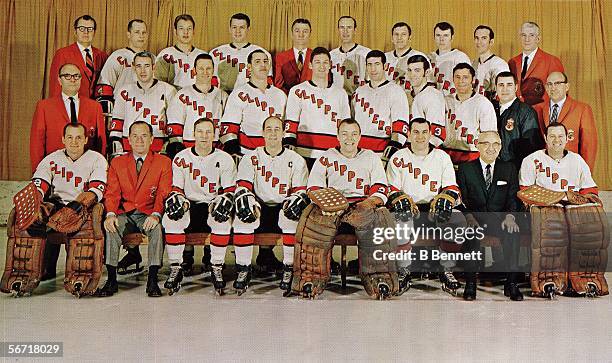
column 570, row 135
column 510, row 124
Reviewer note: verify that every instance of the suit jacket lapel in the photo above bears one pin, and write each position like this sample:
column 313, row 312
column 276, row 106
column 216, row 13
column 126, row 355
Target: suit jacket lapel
column 569, row 103
column 60, row 105
column 496, row 175
column 145, row 168
column 536, row 59
column 477, row 170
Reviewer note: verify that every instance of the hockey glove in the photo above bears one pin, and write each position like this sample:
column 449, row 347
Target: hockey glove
column 442, row 205
column 222, row 207
column 295, row 204
column 402, row 206
column 247, row 208
column 175, row 206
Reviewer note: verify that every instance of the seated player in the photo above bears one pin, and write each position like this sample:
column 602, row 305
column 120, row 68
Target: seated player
column 201, row 201
column 70, row 182
column 567, row 238
column 357, row 176
column 422, row 179
column 270, row 197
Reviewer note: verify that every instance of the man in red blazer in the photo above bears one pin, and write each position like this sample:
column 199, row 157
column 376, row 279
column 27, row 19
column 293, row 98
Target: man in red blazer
column 290, row 69
column 89, row 59
column 577, row 117
column 533, row 65
column 138, row 183
column 53, row 113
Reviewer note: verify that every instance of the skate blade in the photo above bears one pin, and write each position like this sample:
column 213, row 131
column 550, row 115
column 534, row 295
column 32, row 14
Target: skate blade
column 449, row 290
column 132, row 271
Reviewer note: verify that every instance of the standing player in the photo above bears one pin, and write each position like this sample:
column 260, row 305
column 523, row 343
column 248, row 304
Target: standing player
column 427, row 101
column 201, row 201
column 467, row 114
column 313, row 110
column 487, row 65
column 175, row 64
column 348, row 60
column 117, row 71
column 445, row 58
column 271, row 179
column 396, row 66
column 291, row 66
column 231, row 59
column 381, row 109
column 426, row 176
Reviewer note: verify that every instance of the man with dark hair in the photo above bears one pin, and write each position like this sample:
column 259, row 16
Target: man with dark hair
column 88, row 59
column 445, row 58
column 396, row 65
column 487, row 65
column 138, row 184
column 348, row 60
column 231, row 64
column 292, row 65
column 174, row 64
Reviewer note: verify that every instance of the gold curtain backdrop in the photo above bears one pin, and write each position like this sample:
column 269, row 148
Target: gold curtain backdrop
column 576, row 31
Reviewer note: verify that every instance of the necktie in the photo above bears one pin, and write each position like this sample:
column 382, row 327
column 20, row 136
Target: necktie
column 89, row 64
column 139, row 163
column 524, row 71
column 555, row 114
column 488, row 176
column 300, row 60
column 73, row 113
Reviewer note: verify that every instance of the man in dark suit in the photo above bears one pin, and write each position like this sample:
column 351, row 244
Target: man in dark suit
column 488, row 189
column 138, row 183
column 292, row 64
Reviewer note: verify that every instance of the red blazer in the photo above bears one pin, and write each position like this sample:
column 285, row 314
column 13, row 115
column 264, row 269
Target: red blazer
column 580, row 123
column 72, row 54
column 286, row 73
column 48, row 124
column 542, row 65
column 126, row 191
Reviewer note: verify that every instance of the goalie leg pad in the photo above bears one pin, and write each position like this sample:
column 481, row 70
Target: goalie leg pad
column 85, row 255
column 24, row 259
column 589, row 234
column 376, row 272
column 312, row 253
column 549, row 249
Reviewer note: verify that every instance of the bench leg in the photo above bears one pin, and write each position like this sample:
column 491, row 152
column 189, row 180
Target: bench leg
column 343, row 266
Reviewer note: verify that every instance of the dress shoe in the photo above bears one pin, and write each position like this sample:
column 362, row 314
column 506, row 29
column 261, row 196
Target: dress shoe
column 108, row 289
column 469, row 292
column 153, row 289
column 511, row 290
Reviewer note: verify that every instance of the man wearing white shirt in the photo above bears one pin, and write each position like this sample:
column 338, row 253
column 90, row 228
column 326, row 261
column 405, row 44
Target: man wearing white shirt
column 487, row 65
column 396, row 65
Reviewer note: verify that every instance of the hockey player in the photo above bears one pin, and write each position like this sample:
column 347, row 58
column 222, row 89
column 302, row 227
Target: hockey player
column 175, row 65
column 249, row 105
column 381, row 108
column 270, row 196
column 348, row 60
column 445, row 58
column 487, row 65
column 231, row 63
column 427, row 101
column 396, row 66
column 117, row 71
column 426, row 176
column 201, row 201
column 313, row 110
column 467, row 114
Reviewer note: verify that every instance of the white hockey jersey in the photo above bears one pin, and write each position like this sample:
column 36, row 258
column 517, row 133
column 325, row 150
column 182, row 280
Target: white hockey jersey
column 312, row 116
column 231, row 64
column 421, row 177
column 246, row 109
column 62, row 177
column 356, row 178
column 349, row 68
column 382, row 114
column 486, row 73
column 397, row 66
column 272, row 179
column 117, row 72
column 202, row 178
column 177, row 67
column 429, row 104
column 569, row 173
column 443, row 68
column 191, row 104
column 133, row 103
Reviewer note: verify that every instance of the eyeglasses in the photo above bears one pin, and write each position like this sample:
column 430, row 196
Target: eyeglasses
column 486, row 144
column 74, row 77
column 85, row 29
column 555, row 84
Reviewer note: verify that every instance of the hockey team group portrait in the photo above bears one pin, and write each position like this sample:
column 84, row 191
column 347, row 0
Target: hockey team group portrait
column 435, row 173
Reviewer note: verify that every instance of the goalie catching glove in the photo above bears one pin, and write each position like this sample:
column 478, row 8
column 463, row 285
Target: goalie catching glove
column 175, row 206
column 402, row 206
column 295, row 204
column 247, row 207
column 222, row 207
column 442, row 205
column 71, row 218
